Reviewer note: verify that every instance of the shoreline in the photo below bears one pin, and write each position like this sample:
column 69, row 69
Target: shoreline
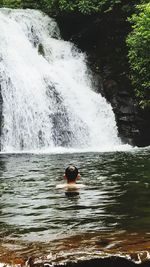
column 78, row 250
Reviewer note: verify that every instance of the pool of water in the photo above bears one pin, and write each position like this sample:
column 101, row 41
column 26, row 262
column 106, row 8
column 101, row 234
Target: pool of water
column 116, row 199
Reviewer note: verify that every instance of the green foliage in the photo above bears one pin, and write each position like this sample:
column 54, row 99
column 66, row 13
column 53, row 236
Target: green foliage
column 144, row 1
column 82, row 6
column 56, row 7
column 31, row 3
column 138, row 42
column 12, row 3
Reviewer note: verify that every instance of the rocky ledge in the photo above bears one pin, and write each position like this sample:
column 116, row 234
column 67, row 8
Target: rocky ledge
column 112, row 261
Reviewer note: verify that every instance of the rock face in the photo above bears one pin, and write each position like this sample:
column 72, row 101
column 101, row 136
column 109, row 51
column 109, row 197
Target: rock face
column 102, row 37
column 1, row 117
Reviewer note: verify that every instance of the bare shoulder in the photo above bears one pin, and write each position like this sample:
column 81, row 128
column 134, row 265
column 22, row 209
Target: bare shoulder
column 70, row 186
column 60, row 186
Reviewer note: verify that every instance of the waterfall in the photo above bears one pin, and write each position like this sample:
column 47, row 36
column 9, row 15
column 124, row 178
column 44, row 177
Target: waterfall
column 46, row 89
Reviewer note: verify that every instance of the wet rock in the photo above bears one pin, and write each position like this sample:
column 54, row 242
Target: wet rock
column 41, row 50
column 1, row 117
column 112, row 261
column 102, row 37
column 39, row 263
column 103, row 242
column 107, row 262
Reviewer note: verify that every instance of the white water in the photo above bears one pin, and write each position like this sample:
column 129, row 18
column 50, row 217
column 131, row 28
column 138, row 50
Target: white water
column 48, row 101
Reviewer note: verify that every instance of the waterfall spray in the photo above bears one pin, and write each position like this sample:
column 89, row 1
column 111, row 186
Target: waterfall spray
column 48, row 101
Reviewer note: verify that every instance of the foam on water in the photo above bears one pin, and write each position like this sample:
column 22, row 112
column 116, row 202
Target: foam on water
column 65, row 150
column 48, row 101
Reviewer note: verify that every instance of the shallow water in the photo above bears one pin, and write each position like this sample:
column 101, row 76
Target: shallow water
column 115, row 201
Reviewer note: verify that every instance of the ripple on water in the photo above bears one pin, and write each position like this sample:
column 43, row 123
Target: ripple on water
column 116, row 197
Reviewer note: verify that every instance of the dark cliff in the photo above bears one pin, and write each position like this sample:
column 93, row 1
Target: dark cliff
column 103, row 38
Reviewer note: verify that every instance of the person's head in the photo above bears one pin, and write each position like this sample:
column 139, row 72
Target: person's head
column 71, row 173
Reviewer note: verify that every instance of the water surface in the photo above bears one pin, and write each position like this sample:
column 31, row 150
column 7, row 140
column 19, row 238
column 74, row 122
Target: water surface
column 115, row 201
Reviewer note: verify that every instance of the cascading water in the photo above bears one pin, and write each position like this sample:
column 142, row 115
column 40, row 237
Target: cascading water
column 47, row 96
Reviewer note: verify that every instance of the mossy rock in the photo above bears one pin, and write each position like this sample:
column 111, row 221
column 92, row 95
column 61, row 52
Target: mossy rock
column 41, row 50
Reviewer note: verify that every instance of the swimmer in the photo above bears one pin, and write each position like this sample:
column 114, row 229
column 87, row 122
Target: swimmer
column 71, row 175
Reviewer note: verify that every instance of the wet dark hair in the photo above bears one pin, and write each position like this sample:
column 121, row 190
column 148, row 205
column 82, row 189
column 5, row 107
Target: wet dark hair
column 71, row 173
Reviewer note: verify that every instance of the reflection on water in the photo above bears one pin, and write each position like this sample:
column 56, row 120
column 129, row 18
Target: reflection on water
column 116, row 196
